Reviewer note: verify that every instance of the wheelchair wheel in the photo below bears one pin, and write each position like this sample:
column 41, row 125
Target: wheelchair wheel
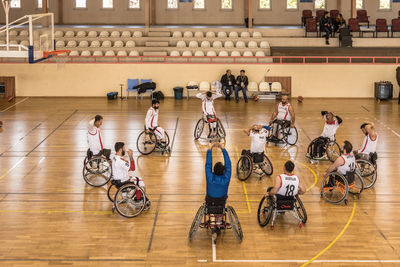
column 111, row 191
column 301, row 211
column 334, row 188
column 126, row 203
column 290, row 135
column 266, row 166
column 333, row 151
column 97, row 171
column 358, row 186
column 265, row 209
column 199, row 129
column 244, row 167
column 196, row 222
column 367, row 172
column 220, row 129
column 146, row 142
column 234, row 221
column 167, row 140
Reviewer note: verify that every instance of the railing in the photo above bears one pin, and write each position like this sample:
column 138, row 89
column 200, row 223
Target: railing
column 211, row 60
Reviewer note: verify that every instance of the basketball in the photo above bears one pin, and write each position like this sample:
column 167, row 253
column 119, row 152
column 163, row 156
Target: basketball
column 300, row 99
column 256, row 97
column 1, row 124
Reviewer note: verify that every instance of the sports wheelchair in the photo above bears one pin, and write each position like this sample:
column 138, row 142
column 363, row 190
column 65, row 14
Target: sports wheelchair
column 148, row 142
column 97, row 170
column 335, row 186
column 259, row 163
column 327, row 147
column 285, row 133
column 214, row 218
column 206, row 120
column 129, row 199
column 272, row 206
column 367, row 167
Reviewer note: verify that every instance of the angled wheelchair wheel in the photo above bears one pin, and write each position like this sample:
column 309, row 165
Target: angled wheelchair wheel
column 367, row 172
column 265, row 209
column 266, row 166
column 301, row 211
column 358, row 185
column 97, row 171
column 111, row 191
column 146, row 142
column 334, row 188
column 290, row 135
column 333, row 151
column 167, row 140
column 244, row 167
column 197, row 221
column 234, row 221
column 199, row 129
column 126, row 201
column 220, row 129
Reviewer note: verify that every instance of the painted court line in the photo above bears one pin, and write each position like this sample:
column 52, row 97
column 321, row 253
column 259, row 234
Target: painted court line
column 23, row 100
column 12, row 168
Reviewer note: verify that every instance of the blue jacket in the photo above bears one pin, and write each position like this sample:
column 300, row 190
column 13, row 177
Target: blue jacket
column 217, row 186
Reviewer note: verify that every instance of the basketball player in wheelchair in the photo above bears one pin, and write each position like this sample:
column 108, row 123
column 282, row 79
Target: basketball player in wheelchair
column 130, row 198
column 325, row 146
column 255, row 158
column 283, row 197
column 213, row 213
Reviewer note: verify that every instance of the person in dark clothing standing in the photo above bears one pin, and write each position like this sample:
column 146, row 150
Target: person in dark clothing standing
column 228, row 82
column 325, row 25
column 241, row 85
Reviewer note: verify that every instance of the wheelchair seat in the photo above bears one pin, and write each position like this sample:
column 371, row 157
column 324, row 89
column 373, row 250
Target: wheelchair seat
column 215, row 209
column 285, row 203
column 215, row 205
column 350, row 177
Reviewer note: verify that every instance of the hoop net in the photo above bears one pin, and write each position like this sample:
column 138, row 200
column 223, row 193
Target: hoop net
column 60, row 56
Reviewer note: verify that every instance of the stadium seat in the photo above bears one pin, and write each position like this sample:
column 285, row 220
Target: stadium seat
column 306, row 14
column 199, row 34
column 264, row 86
column 130, row 44
column 58, row 34
column 110, row 53
column 174, row 53
column 252, row 86
column 235, row 54
column 122, row 54
column 188, row 34
column 75, row 53
column 81, row 34
column 177, row 34
column 134, row 53
column 276, row 87
column 217, row 44
column 115, row 34
column 205, row 44
column 248, row 54
column 233, row 35
column 12, row 33
column 26, row 43
column 13, row 42
column 381, row 26
column 2, row 42
column 118, row 44
column 97, row 53
column 193, row 44
column 240, row 44
column 260, row 54
column 83, row 44
column 106, row 44
column 354, row 26
column 257, row 35
column 252, row 44
column 222, row 35
column 69, row 34
column 104, row 34
column 58, row 44
column 395, row 26
column 362, row 16
column 333, row 14
column 85, row 53
column 126, row 34
column 204, row 85
column 187, row 54
column 223, row 54
column 199, row 53
column 2, row 34
column 71, row 44
column 311, row 26
column 319, row 15
column 245, row 35
column 210, row 35
column 264, row 45
column 24, row 33
column 137, row 34
column 95, row 44
column 229, row 44
column 92, row 34
column 211, row 54
column 181, row 44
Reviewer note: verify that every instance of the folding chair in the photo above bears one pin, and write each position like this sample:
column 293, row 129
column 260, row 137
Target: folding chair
column 132, row 83
column 148, row 90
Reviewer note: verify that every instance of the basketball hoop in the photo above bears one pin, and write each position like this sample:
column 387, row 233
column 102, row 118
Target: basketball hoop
column 61, row 57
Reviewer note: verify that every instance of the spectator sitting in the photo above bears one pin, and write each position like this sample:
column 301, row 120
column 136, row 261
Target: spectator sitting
column 241, row 85
column 325, row 25
column 339, row 22
column 228, row 81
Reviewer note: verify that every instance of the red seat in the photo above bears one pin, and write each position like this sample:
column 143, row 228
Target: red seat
column 307, row 14
column 381, row 26
column 319, row 14
column 334, row 14
column 354, row 26
column 395, row 26
column 311, row 25
column 362, row 16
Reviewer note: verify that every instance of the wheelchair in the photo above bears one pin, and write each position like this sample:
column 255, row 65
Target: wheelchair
column 129, row 199
column 205, row 120
column 285, row 133
column 248, row 163
column 272, row 206
column 97, row 170
column 368, row 169
column 335, row 186
column 330, row 149
column 214, row 218
column 148, row 142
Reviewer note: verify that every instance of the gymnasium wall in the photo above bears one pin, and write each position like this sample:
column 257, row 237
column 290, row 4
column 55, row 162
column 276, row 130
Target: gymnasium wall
column 96, row 79
column 211, row 15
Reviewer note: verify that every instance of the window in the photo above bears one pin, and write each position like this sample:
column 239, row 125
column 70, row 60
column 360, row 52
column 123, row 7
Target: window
column 134, row 3
column 80, row 3
column 40, row 3
column 265, row 4
column 199, row 4
column 291, row 4
column 360, row 4
column 384, row 4
column 108, row 4
column 172, row 4
column 15, row 4
column 226, row 4
column 319, row 4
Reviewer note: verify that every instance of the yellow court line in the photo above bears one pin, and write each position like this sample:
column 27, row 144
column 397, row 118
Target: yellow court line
column 247, row 197
column 336, row 239
column 12, row 168
column 313, row 172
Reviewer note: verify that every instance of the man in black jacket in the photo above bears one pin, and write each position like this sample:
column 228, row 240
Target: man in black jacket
column 241, row 85
column 325, row 25
column 228, row 81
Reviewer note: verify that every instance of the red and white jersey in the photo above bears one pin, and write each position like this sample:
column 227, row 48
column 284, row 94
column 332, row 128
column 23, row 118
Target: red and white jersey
column 208, row 105
column 151, row 118
column 348, row 165
column 94, row 138
column 120, row 168
column 369, row 145
column 283, row 112
column 258, row 141
column 330, row 129
column 289, row 185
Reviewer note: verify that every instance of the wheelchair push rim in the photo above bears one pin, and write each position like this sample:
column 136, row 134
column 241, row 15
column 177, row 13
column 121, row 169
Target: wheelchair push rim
column 301, row 211
column 367, row 171
column 333, row 151
column 198, row 130
column 220, row 129
column 264, row 212
column 111, row 191
column 234, row 221
column 125, row 202
column 291, row 135
column 97, row 172
column 244, row 168
column 334, row 188
column 146, row 143
column 196, row 222
column 266, row 166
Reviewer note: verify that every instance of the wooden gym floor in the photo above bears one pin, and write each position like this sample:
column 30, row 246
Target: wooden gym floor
column 49, row 216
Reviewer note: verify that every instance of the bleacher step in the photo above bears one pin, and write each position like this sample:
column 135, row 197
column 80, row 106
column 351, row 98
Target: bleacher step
column 157, row 44
column 159, row 34
column 159, row 53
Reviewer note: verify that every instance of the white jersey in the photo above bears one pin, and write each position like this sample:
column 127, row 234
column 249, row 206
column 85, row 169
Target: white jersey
column 151, row 118
column 348, row 165
column 369, row 145
column 258, row 141
column 94, row 138
column 208, row 105
column 283, row 112
column 289, row 185
column 120, row 168
column 330, row 129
